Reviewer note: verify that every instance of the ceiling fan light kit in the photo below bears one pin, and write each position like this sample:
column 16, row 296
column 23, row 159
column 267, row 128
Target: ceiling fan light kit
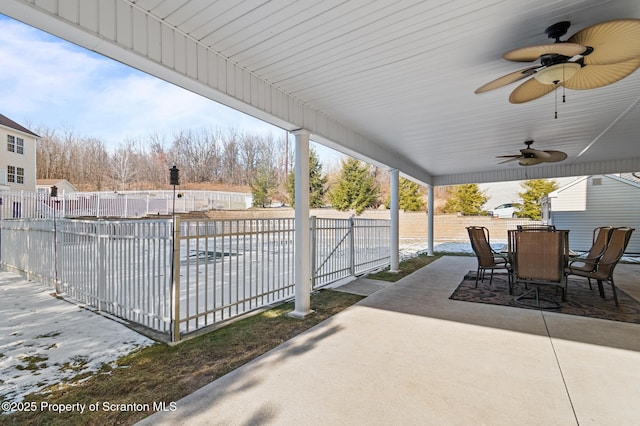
column 557, row 73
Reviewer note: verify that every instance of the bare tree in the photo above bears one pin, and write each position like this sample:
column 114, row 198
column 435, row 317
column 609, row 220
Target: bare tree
column 94, row 164
column 230, row 166
column 123, row 164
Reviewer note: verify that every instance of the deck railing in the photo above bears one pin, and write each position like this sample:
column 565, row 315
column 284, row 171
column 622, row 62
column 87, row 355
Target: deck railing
column 179, row 277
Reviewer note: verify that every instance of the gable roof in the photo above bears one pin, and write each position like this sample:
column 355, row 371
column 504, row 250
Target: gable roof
column 50, row 182
column 7, row 122
column 625, row 178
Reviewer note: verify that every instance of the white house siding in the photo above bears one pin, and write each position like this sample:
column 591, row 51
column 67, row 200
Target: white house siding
column 26, row 160
column 583, row 206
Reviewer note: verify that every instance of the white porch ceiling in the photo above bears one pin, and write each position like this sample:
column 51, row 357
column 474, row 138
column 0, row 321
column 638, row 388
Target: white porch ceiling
column 388, row 81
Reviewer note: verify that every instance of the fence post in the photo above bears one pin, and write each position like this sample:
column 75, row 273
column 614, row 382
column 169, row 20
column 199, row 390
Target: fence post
column 352, row 246
column 101, row 260
column 175, row 281
column 314, row 245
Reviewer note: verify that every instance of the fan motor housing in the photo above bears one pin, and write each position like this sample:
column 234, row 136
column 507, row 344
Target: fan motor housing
column 557, row 30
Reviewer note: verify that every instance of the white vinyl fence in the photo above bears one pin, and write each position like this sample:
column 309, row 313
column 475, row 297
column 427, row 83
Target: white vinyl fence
column 220, row 268
column 28, row 205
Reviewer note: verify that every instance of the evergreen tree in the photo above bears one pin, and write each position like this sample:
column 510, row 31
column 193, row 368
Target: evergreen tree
column 263, row 187
column 317, row 182
column 466, row 199
column 534, row 191
column 355, row 189
column 410, row 196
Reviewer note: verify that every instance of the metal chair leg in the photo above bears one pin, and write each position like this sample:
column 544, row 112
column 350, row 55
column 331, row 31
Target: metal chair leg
column 615, row 293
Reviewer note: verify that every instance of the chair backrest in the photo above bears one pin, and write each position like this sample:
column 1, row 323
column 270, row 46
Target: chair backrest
column 541, row 256
column 479, row 237
column 615, row 249
column 536, row 227
column 601, row 236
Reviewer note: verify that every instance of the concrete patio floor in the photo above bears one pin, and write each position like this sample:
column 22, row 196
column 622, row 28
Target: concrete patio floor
column 407, row 354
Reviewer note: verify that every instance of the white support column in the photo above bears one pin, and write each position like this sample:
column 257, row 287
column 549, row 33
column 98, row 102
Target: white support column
column 394, row 237
column 302, row 236
column 430, row 207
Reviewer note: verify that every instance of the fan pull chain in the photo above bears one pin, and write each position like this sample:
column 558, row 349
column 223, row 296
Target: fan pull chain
column 563, row 88
column 556, row 98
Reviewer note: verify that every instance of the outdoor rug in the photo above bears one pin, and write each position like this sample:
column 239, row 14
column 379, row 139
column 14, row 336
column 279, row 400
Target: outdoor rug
column 580, row 299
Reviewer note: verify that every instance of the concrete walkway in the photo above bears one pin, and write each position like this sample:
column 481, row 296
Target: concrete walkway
column 408, row 355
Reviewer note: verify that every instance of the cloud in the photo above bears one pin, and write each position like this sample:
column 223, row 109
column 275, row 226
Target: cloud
column 49, row 82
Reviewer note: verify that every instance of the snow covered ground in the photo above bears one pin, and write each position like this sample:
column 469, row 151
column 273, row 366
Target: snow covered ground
column 44, row 340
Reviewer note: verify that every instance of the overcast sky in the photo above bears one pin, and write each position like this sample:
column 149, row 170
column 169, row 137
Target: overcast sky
column 52, row 83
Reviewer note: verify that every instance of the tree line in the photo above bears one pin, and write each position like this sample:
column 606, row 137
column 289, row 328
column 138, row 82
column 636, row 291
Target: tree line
column 260, row 163
column 203, row 157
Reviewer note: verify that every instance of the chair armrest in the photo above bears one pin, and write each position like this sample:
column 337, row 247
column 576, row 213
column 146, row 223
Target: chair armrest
column 583, row 260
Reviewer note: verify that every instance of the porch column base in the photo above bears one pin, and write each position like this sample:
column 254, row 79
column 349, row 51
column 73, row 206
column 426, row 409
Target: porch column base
column 300, row 315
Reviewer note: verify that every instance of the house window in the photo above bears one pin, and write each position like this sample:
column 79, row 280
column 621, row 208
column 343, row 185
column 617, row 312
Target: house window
column 15, row 144
column 15, row 174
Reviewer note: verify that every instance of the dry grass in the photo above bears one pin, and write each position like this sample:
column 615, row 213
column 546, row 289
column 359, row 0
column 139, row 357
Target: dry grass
column 162, row 373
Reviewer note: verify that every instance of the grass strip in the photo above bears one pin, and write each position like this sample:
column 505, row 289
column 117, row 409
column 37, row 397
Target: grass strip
column 407, row 266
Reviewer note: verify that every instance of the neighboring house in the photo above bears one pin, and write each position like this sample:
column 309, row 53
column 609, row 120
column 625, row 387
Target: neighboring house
column 18, row 159
column 63, row 185
column 593, row 201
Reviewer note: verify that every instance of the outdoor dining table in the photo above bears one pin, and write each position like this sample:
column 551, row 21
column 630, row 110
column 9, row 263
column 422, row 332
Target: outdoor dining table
column 538, row 258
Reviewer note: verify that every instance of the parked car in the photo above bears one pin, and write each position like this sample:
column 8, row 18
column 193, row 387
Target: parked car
column 504, row 210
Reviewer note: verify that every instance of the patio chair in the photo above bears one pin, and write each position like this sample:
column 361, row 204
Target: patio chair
column 539, row 258
column 588, row 261
column 487, row 257
column 604, row 270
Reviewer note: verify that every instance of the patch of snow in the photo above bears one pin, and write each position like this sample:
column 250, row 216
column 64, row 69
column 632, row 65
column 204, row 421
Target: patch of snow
column 45, row 340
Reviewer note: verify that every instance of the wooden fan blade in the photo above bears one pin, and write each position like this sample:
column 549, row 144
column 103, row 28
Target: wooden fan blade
column 507, row 79
column 515, row 157
column 593, row 76
column 533, row 53
column 554, row 156
column 530, row 90
column 612, row 41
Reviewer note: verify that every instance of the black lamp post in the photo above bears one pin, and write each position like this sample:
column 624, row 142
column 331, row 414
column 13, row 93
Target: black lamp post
column 174, row 179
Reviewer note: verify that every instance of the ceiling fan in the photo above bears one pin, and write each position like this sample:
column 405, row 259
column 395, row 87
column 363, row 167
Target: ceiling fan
column 530, row 157
column 593, row 57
